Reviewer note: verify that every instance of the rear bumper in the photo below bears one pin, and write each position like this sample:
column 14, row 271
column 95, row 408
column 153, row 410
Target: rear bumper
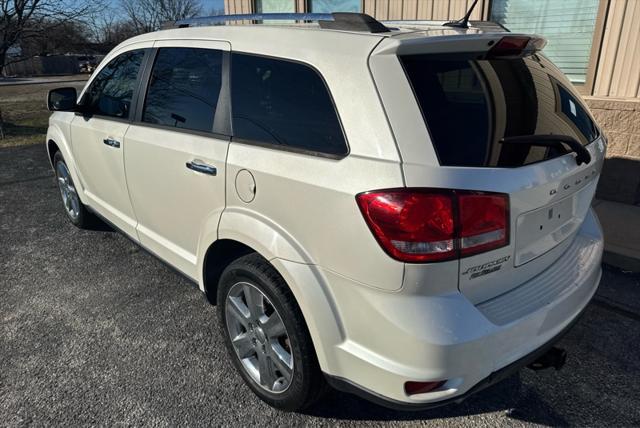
column 392, row 338
column 495, row 377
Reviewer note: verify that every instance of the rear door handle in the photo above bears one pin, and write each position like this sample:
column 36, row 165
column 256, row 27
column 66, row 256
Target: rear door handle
column 111, row 142
column 198, row 166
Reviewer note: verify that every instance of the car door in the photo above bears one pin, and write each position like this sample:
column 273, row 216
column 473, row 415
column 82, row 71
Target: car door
column 97, row 137
column 176, row 150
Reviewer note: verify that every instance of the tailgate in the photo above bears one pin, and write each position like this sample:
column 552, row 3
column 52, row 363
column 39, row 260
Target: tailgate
column 455, row 114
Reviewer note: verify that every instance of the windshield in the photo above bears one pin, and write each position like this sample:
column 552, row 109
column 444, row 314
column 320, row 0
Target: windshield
column 470, row 105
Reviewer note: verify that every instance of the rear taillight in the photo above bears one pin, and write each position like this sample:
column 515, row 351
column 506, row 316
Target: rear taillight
column 429, row 225
column 484, row 222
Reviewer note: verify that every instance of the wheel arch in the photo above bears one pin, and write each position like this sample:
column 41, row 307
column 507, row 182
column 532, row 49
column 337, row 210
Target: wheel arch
column 52, row 149
column 240, row 234
column 56, row 142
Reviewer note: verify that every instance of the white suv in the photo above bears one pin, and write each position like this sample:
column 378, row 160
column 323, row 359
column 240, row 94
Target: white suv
column 402, row 212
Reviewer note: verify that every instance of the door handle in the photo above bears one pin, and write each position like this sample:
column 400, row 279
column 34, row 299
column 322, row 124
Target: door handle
column 111, row 142
column 198, row 166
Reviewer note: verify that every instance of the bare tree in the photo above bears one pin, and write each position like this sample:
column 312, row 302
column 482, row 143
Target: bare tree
column 23, row 19
column 106, row 30
column 147, row 15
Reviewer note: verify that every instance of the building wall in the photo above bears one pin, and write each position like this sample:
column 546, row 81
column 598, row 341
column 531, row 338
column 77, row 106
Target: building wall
column 391, row 9
column 238, row 6
column 618, row 69
column 423, row 9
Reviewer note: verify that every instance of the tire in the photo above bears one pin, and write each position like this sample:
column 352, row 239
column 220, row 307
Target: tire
column 259, row 340
column 76, row 211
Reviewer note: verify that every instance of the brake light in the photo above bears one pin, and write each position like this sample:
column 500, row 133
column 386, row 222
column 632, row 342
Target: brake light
column 516, row 47
column 483, row 222
column 429, row 225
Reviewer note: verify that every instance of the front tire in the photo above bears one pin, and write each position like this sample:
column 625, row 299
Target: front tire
column 266, row 335
column 75, row 210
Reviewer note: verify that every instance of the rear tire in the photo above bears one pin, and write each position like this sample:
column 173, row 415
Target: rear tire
column 266, row 335
column 75, row 210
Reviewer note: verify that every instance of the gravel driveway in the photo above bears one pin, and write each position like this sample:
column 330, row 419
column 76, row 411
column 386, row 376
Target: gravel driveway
column 94, row 331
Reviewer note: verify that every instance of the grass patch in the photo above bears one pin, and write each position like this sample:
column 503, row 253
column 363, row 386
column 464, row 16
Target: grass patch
column 24, row 112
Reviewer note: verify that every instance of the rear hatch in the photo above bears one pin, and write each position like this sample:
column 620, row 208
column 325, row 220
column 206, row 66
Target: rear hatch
column 474, row 95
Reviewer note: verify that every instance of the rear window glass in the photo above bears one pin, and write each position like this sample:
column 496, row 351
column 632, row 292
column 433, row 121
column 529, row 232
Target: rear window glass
column 283, row 103
column 470, row 105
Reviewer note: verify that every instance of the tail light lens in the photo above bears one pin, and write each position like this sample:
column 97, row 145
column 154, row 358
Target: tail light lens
column 483, row 222
column 427, row 225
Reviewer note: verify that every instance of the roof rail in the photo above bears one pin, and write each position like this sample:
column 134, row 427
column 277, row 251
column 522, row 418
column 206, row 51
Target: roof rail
column 336, row 21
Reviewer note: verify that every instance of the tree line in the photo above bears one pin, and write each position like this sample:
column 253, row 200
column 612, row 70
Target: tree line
column 42, row 27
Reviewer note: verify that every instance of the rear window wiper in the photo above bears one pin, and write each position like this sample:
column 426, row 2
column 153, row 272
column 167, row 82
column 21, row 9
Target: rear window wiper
column 552, row 140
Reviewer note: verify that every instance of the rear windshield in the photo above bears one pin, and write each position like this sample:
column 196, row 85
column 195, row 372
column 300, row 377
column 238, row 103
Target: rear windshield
column 470, row 105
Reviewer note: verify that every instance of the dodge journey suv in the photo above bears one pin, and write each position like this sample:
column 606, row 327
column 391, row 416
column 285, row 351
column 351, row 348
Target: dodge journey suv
column 399, row 210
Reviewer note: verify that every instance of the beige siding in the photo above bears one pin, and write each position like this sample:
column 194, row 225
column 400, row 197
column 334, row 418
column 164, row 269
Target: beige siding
column 618, row 72
column 238, row 6
column 392, row 9
column 423, row 9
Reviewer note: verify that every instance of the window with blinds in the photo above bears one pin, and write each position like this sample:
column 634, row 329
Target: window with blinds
column 328, row 6
column 275, row 6
column 568, row 25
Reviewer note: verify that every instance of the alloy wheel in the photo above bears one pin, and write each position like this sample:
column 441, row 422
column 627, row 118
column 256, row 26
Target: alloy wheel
column 68, row 191
column 259, row 337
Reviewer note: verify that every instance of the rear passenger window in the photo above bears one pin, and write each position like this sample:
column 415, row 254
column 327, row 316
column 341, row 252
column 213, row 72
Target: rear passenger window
column 184, row 88
column 283, row 103
column 111, row 91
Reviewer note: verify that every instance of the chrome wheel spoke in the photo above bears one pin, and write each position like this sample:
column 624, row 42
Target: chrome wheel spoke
column 273, row 326
column 282, row 360
column 244, row 346
column 254, row 301
column 238, row 310
column 75, row 204
column 267, row 375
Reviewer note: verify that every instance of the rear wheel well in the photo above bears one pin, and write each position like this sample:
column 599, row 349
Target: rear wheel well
column 52, row 147
column 220, row 255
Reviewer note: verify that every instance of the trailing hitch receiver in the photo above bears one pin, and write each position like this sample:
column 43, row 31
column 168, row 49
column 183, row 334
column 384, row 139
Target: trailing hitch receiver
column 554, row 357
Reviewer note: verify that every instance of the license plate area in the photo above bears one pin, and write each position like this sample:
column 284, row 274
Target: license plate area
column 543, row 229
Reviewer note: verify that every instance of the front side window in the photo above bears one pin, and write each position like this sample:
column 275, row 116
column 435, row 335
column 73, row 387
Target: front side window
column 184, row 88
column 283, row 103
column 112, row 89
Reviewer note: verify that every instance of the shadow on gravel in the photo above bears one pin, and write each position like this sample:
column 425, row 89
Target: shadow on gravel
column 518, row 401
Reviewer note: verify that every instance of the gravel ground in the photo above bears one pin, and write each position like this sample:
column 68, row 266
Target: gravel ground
column 94, row 331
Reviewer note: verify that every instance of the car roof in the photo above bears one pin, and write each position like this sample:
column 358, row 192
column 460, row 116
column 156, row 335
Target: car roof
column 309, row 42
column 398, row 29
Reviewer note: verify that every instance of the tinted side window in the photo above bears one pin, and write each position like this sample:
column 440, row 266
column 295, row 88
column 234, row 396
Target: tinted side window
column 111, row 91
column 574, row 111
column 184, row 88
column 285, row 103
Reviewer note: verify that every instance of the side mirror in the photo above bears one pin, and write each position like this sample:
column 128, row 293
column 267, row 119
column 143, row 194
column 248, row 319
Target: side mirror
column 62, row 99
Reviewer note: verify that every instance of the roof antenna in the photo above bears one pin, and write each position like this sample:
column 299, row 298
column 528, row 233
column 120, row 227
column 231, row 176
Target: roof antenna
column 464, row 22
